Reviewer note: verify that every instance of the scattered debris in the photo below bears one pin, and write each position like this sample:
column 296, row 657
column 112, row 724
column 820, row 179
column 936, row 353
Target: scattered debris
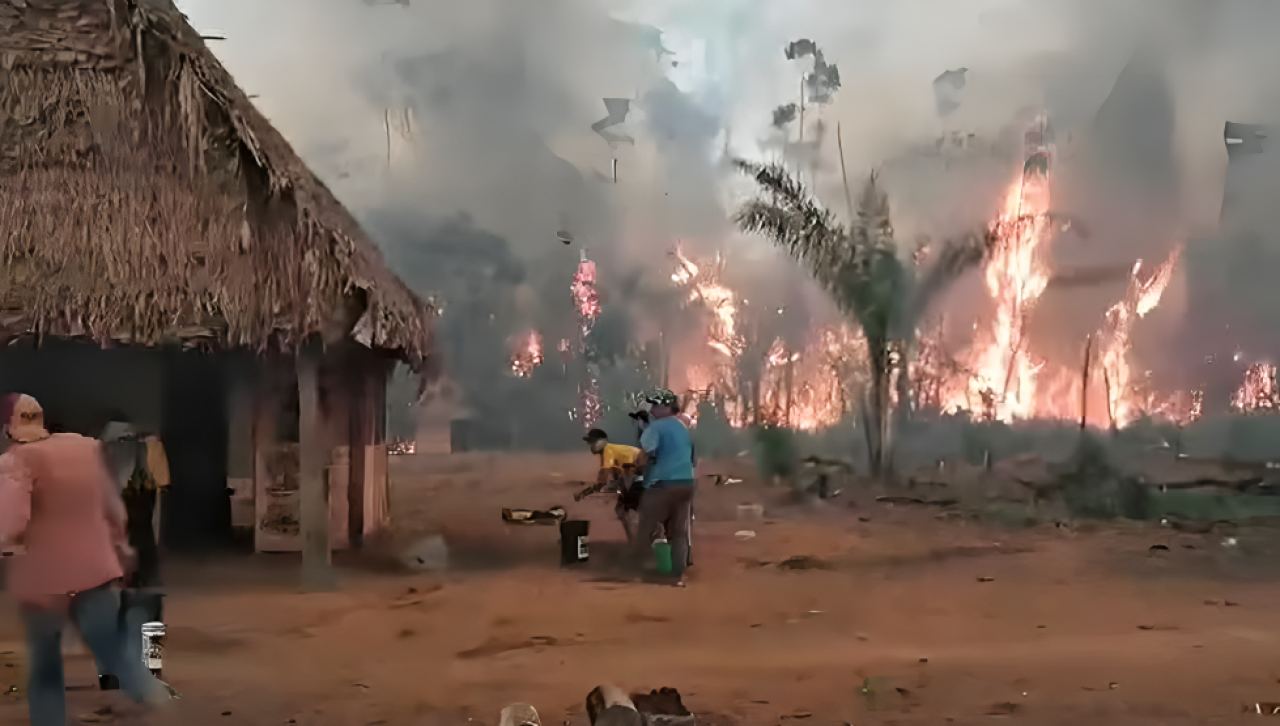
column 409, row 599
column 1007, row 708
column 899, row 500
column 1157, row 627
column 1230, row 542
column 722, row 479
column 986, row 579
column 634, row 618
column 876, row 690
column 805, row 562
column 495, row 646
column 519, row 714
column 662, row 707
column 801, row 714
column 607, row 705
column 1263, row 707
column 745, row 534
column 1157, row 548
column 555, row 515
column 1113, row 686
column 428, row 554
column 104, row 714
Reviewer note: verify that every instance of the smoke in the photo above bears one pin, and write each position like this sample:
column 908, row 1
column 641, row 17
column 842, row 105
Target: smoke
column 461, row 133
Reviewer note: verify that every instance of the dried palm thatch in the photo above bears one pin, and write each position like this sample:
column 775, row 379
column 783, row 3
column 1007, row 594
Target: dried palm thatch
column 144, row 200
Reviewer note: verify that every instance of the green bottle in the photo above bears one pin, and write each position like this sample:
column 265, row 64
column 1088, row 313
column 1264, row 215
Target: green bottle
column 662, row 555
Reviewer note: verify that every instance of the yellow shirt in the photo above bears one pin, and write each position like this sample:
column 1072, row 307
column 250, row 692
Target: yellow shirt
column 618, row 455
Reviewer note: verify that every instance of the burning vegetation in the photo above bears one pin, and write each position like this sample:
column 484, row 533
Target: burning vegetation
column 891, row 358
column 526, row 353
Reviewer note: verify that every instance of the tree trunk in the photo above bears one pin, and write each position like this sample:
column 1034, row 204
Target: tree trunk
column 878, row 410
column 313, row 489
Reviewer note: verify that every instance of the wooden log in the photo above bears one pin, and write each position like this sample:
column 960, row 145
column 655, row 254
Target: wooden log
column 317, row 573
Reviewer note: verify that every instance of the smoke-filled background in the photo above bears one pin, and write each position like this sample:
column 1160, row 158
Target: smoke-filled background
column 460, row 133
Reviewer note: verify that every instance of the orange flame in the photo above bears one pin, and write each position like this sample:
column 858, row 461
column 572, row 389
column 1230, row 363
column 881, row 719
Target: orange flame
column 1258, row 393
column 1004, row 373
column 802, row 389
column 526, row 353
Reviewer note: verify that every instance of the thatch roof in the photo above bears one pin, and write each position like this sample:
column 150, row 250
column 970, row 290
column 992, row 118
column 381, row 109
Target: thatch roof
column 144, row 200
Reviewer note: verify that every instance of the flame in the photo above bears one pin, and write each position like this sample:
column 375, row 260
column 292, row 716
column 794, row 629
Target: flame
column 1258, row 393
column 1003, row 371
column 801, row 389
column 526, row 353
column 703, row 284
column 1141, row 298
column 1000, row 377
column 585, row 297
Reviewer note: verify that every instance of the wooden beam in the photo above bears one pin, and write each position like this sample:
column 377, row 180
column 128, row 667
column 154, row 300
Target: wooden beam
column 317, row 572
column 361, row 432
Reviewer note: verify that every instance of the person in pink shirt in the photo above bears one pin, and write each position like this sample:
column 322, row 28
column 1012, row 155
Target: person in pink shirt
column 62, row 512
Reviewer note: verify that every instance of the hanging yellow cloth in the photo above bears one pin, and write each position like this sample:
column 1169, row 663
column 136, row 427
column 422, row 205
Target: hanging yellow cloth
column 158, row 465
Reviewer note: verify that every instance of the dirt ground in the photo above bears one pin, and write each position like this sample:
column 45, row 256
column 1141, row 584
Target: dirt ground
column 942, row 622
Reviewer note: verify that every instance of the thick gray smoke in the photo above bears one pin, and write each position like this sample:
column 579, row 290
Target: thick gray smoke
column 419, row 112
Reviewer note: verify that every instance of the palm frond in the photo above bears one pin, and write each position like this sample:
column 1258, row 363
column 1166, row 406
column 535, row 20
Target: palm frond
column 791, row 217
column 956, row 257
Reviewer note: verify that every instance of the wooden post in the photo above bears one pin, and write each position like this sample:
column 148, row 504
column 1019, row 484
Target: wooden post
column 266, row 417
column 1084, row 384
column 313, row 489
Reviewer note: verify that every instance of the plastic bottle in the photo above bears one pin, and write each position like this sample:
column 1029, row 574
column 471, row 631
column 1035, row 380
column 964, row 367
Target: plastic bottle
column 662, row 556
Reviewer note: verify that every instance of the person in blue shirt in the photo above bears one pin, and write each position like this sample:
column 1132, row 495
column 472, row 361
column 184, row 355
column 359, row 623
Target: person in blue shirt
column 668, row 460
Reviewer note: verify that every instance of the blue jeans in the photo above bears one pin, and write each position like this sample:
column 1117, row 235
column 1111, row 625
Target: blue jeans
column 137, row 607
column 97, row 615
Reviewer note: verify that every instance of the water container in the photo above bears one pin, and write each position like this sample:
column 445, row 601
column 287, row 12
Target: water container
column 573, row 542
column 662, row 556
column 153, row 647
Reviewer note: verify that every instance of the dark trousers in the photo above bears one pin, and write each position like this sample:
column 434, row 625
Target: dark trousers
column 140, row 504
column 96, row 613
column 671, row 507
column 136, row 607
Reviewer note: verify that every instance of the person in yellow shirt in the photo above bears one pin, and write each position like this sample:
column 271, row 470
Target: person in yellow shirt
column 617, row 471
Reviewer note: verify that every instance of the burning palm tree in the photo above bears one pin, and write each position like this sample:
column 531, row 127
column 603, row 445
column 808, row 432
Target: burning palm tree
column 860, row 264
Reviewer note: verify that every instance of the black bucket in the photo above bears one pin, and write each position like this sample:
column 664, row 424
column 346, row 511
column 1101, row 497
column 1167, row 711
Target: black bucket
column 573, row 542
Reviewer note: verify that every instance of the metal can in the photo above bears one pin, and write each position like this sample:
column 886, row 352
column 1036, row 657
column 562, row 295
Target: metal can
column 153, row 647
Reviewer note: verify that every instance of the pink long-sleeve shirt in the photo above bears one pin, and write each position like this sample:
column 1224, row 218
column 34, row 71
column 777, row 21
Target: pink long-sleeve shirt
column 58, row 501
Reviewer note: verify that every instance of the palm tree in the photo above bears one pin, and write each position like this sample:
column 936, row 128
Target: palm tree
column 860, row 265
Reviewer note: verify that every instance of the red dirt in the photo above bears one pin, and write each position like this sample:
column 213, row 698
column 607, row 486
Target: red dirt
column 1059, row 622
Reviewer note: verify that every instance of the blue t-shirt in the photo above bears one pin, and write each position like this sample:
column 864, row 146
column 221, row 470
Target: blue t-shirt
column 670, row 450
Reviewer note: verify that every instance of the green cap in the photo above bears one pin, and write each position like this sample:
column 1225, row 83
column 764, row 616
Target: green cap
column 661, row 397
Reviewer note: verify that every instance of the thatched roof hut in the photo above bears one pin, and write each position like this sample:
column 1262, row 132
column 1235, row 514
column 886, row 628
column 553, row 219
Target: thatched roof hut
column 145, row 201
column 146, row 204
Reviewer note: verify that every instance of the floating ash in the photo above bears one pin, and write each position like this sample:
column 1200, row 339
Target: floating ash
column 586, row 301
column 1258, row 393
column 585, row 297
column 526, row 353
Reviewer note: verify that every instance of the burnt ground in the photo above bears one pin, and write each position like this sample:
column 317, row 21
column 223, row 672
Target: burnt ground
column 942, row 622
